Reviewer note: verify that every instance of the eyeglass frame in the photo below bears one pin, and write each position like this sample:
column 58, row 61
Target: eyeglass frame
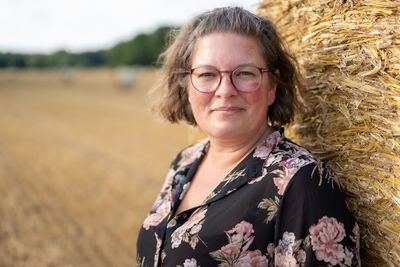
column 230, row 72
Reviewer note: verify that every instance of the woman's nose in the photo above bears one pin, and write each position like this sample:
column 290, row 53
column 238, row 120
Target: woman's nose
column 226, row 87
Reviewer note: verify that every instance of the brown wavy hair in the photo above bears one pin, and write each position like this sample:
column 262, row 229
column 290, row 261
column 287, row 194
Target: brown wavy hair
column 177, row 60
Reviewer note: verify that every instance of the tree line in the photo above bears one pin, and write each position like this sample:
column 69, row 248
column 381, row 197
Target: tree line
column 143, row 49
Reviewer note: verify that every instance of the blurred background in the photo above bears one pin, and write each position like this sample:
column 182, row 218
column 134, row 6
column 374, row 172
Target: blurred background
column 82, row 157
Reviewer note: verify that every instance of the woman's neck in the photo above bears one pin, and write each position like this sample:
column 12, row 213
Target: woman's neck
column 224, row 154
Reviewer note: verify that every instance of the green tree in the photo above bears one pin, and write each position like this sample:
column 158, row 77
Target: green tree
column 143, row 49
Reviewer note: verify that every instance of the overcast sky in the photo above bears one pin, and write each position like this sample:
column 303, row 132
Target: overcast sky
column 44, row 26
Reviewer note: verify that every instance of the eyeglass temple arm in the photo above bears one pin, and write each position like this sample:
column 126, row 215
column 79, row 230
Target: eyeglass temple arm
column 266, row 70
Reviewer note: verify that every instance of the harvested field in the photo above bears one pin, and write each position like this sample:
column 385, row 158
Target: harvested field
column 81, row 162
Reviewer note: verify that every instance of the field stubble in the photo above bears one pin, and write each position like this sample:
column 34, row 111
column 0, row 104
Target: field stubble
column 81, row 162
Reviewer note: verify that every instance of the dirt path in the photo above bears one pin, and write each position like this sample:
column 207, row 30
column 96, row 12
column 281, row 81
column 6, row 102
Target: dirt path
column 80, row 165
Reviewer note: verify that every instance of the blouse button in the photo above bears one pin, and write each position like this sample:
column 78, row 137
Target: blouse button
column 171, row 223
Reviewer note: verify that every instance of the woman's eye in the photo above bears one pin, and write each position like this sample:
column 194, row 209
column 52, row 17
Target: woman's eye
column 207, row 75
column 244, row 74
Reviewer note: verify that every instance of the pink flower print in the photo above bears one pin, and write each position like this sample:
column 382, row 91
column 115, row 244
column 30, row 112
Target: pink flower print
column 271, row 250
column 230, row 251
column 155, row 218
column 196, row 217
column 158, row 246
column 349, row 257
column 325, row 236
column 244, row 228
column 272, row 159
column 195, row 229
column 237, row 239
column 190, row 263
column 300, row 149
column 283, row 179
column 229, row 191
column 169, row 179
column 248, row 243
column 285, row 261
column 252, row 259
column 356, row 250
column 257, row 179
column 157, row 203
column 190, row 154
column 167, row 183
column 356, row 230
column 176, row 237
column 293, row 163
column 288, row 239
column 236, row 252
column 184, row 189
column 191, row 226
column 263, row 149
column 301, row 256
column 287, row 242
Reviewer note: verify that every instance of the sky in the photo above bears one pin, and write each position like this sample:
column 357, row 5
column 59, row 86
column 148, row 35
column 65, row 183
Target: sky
column 46, row 26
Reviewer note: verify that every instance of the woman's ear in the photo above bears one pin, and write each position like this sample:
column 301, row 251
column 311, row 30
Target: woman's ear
column 272, row 89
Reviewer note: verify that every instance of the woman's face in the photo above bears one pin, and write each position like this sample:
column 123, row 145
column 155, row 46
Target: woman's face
column 228, row 113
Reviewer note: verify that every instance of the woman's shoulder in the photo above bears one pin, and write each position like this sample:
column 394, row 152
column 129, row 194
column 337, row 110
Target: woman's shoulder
column 285, row 159
column 276, row 149
column 307, row 168
column 192, row 152
column 291, row 149
column 298, row 156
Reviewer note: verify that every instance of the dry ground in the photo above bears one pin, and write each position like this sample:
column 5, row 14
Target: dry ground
column 81, row 163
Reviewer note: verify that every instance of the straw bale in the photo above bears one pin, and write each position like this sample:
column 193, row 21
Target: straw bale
column 349, row 57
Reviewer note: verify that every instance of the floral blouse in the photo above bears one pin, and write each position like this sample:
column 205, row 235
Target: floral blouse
column 280, row 206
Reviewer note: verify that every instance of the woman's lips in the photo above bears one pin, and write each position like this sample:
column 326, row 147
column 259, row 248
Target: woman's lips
column 227, row 110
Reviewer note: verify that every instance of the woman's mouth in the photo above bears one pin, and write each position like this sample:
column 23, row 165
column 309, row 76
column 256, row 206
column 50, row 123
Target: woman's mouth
column 227, row 110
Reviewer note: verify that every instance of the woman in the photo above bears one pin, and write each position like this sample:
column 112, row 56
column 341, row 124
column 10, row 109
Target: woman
column 246, row 195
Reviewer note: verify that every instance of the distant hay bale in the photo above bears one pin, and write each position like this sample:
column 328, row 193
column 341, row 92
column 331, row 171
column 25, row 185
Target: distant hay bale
column 126, row 76
column 349, row 56
column 68, row 75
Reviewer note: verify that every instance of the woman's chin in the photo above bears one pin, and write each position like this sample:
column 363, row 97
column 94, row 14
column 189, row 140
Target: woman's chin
column 226, row 131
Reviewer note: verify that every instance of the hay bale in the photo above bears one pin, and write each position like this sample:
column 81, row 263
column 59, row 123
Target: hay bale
column 349, row 56
column 126, row 76
column 68, row 74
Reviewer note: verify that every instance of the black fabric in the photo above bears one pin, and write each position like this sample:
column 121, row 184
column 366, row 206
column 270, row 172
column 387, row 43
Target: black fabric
column 280, row 206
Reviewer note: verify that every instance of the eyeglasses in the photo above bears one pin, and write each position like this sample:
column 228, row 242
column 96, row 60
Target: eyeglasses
column 245, row 78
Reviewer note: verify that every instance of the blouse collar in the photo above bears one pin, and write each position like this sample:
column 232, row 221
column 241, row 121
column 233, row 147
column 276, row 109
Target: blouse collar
column 250, row 168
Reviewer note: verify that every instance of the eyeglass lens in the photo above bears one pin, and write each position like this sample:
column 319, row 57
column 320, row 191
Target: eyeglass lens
column 244, row 78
